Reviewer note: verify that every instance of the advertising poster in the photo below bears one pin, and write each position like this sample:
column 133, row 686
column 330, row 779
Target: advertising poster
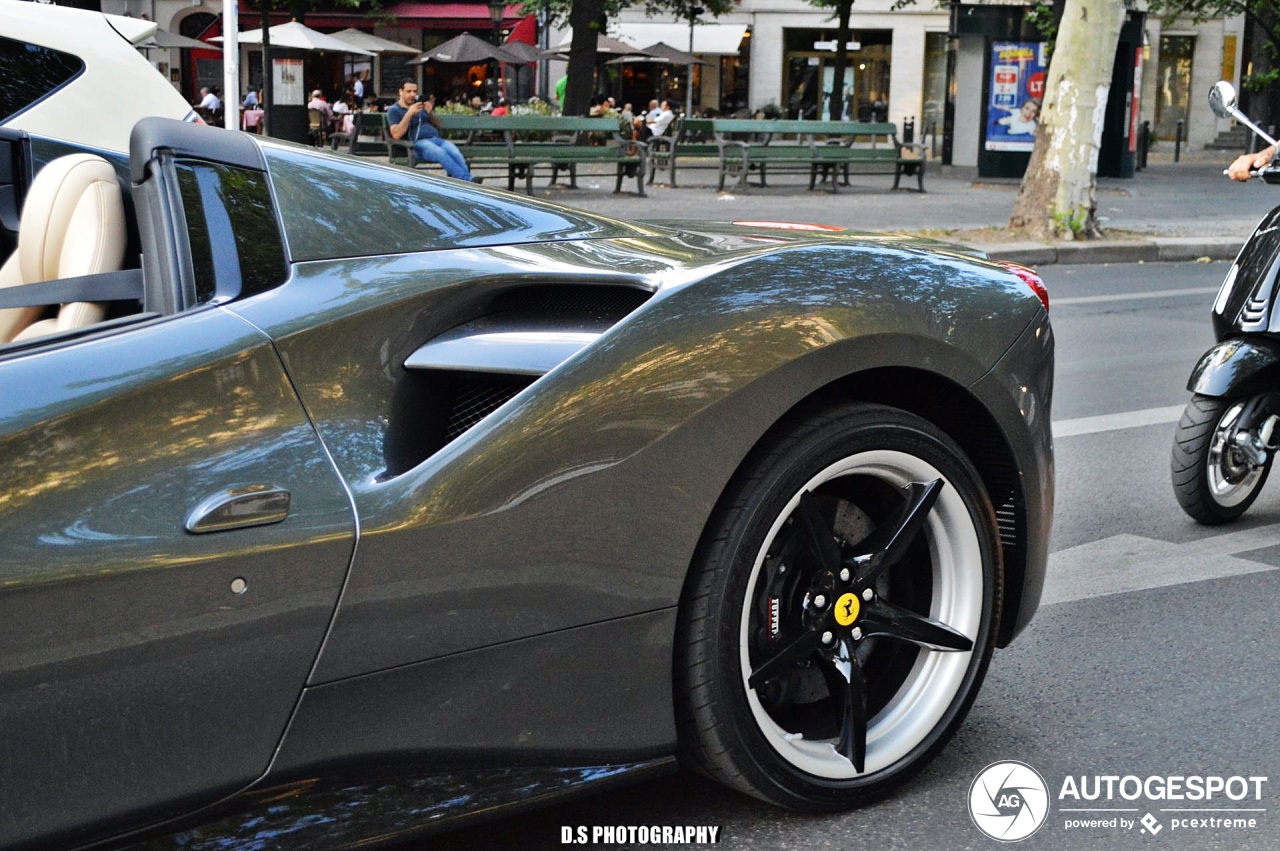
column 1017, row 90
column 288, row 89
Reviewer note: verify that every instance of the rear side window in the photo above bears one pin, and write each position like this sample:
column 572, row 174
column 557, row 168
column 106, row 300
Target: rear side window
column 236, row 249
column 29, row 72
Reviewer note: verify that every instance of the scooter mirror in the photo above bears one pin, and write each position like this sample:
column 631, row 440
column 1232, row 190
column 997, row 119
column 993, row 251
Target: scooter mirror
column 1222, row 99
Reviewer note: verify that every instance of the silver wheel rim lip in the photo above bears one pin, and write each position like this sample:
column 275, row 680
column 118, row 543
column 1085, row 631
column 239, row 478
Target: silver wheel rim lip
column 1225, row 491
column 937, row 677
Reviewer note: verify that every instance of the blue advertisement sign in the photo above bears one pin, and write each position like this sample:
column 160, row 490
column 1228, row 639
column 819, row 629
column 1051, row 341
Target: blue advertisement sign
column 1018, row 70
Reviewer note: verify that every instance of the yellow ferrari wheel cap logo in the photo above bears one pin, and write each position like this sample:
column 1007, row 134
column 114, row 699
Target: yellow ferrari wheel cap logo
column 847, row 608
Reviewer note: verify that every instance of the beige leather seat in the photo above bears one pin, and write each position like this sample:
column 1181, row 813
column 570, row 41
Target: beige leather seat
column 73, row 224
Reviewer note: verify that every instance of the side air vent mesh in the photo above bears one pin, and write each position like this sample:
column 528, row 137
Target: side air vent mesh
column 585, row 300
column 435, row 404
column 477, row 398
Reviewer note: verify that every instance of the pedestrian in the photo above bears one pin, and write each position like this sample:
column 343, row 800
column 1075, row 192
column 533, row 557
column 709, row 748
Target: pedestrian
column 416, row 122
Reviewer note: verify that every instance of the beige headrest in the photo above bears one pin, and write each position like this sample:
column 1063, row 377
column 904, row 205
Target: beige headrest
column 73, row 221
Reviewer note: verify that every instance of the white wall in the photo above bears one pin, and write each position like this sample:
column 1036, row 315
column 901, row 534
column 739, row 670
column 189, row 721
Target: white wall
column 967, row 128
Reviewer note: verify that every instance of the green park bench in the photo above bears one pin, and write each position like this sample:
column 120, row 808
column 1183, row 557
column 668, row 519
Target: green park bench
column 368, row 136
column 819, row 147
column 690, row 138
column 521, row 143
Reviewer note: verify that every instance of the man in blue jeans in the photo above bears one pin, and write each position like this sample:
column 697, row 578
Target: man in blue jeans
column 417, row 123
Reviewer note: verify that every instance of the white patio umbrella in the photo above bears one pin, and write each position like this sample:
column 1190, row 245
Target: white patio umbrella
column 165, row 40
column 373, row 43
column 302, row 37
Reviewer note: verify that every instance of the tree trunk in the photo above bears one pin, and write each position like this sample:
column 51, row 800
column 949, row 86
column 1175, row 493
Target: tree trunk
column 1058, row 195
column 588, row 20
column 844, row 9
column 268, row 82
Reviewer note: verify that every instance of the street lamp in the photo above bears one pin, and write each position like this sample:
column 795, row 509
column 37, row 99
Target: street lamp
column 497, row 10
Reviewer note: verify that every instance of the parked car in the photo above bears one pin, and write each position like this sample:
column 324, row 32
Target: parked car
column 324, row 479
column 77, row 76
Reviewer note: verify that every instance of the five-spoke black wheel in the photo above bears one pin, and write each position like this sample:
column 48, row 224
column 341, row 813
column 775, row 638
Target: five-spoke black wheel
column 840, row 617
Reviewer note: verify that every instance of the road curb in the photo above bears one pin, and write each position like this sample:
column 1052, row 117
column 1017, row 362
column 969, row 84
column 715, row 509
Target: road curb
column 1167, row 249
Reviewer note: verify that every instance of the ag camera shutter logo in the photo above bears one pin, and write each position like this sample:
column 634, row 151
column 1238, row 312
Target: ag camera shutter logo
column 1009, row 801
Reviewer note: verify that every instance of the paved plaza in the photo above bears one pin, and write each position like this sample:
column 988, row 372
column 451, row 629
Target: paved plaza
column 1191, row 204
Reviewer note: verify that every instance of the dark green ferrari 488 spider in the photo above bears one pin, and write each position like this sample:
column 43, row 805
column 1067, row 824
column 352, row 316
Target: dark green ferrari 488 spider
column 323, row 476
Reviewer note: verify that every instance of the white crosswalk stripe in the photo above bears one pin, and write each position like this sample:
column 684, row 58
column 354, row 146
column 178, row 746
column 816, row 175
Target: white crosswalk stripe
column 1125, row 563
column 1114, row 422
column 1100, row 299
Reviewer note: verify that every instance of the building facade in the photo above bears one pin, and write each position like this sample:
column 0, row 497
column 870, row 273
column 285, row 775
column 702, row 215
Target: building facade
column 902, row 64
column 899, row 58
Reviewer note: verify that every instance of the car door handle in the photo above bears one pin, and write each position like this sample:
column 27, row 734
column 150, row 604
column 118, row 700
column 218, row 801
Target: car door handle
column 239, row 508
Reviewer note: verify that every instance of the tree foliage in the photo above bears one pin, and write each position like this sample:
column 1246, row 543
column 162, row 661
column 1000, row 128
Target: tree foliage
column 590, row 18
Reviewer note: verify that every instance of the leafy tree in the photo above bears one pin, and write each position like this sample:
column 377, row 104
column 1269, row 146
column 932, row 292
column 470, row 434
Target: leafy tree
column 590, row 18
column 1058, row 195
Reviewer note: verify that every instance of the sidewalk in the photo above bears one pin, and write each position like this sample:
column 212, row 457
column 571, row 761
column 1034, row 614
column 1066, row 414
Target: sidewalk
column 1168, row 211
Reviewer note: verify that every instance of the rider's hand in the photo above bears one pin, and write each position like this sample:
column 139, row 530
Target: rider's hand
column 1241, row 168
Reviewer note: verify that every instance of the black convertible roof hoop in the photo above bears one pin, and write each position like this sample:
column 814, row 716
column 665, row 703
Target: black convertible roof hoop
column 187, row 140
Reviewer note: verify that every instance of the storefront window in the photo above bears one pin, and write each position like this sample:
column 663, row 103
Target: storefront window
column 1173, row 86
column 809, row 74
column 935, row 87
column 735, row 72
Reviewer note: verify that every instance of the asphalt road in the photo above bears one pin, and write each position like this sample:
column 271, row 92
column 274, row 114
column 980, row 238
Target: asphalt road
column 1153, row 654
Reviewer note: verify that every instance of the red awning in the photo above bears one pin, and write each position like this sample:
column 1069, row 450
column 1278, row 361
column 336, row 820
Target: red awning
column 526, row 31
column 478, row 11
column 441, row 16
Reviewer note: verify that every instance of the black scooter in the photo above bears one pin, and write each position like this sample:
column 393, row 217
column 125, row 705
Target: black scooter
column 1227, row 438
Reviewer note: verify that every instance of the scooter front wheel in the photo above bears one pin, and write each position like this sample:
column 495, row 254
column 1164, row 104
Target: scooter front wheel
column 1213, row 479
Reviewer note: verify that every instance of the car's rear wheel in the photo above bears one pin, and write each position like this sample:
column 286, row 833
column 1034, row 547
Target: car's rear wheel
column 841, row 613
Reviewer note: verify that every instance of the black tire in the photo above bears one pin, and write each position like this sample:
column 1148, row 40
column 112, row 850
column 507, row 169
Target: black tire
column 847, row 474
column 1213, row 485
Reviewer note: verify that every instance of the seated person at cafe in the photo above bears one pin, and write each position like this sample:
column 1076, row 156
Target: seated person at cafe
column 318, row 102
column 416, row 122
column 208, row 100
column 660, row 121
